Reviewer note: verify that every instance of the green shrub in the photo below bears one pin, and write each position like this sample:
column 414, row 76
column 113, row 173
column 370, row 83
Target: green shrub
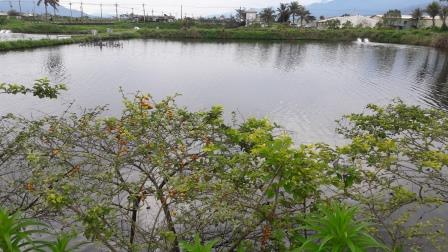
column 334, row 228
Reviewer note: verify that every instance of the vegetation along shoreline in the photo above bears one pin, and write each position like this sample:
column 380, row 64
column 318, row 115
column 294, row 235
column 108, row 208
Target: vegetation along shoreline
column 411, row 37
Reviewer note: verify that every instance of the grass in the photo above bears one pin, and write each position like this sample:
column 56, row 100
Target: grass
column 125, row 30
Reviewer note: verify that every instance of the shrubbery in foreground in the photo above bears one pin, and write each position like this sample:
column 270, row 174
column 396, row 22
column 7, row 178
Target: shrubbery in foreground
column 160, row 174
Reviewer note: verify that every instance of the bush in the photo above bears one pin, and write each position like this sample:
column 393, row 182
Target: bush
column 3, row 20
column 247, row 184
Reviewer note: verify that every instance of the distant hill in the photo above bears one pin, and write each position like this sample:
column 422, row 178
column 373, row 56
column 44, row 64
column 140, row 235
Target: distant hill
column 329, row 8
column 27, row 7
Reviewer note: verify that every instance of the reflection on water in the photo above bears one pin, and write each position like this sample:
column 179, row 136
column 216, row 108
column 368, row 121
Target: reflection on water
column 303, row 86
column 54, row 66
column 101, row 44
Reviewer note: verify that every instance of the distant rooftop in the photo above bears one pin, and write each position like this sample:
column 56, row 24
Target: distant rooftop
column 251, row 11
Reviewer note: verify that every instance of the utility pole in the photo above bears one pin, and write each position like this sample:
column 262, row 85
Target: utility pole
column 34, row 8
column 181, row 11
column 10, row 5
column 82, row 11
column 132, row 13
column 101, row 9
column 116, row 10
column 20, row 7
column 71, row 12
column 144, row 14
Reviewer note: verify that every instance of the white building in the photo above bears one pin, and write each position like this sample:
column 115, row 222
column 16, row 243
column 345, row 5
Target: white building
column 355, row 21
column 407, row 22
column 3, row 13
column 251, row 16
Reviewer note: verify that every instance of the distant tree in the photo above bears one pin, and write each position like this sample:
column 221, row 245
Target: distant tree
column 284, row 13
column 267, row 15
column 240, row 15
column 417, row 15
column 52, row 3
column 346, row 15
column 433, row 9
column 304, row 14
column 392, row 17
column 294, row 8
column 443, row 13
column 322, row 17
column 333, row 24
column 13, row 13
column 347, row 25
column 310, row 19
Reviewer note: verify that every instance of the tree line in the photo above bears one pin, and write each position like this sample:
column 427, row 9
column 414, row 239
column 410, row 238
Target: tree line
column 434, row 9
column 285, row 13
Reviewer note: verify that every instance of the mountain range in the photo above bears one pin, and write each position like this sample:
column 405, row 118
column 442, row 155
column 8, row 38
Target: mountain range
column 329, row 8
column 29, row 7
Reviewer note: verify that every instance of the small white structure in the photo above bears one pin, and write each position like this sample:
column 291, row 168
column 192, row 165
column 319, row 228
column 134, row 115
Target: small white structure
column 355, row 21
column 3, row 14
column 251, row 16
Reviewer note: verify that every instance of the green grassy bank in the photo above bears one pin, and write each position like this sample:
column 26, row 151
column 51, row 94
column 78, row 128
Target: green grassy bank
column 412, row 37
column 29, row 44
column 124, row 30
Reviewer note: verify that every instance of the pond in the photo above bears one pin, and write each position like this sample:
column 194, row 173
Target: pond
column 304, row 87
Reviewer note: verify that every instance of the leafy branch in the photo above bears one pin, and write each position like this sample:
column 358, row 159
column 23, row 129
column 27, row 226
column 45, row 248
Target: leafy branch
column 41, row 88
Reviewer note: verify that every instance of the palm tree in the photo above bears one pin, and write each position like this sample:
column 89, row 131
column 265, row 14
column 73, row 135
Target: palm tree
column 294, row 8
column 267, row 15
column 433, row 9
column 52, row 3
column 283, row 13
column 304, row 14
column 310, row 18
column 443, row 13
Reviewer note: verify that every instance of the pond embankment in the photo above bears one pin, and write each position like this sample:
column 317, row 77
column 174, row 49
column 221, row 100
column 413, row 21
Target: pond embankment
column 409, row 37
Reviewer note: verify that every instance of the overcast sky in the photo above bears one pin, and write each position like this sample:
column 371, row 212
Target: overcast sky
column 191, row 7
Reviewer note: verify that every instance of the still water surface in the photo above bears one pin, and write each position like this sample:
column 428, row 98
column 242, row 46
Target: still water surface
column 304, row 87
